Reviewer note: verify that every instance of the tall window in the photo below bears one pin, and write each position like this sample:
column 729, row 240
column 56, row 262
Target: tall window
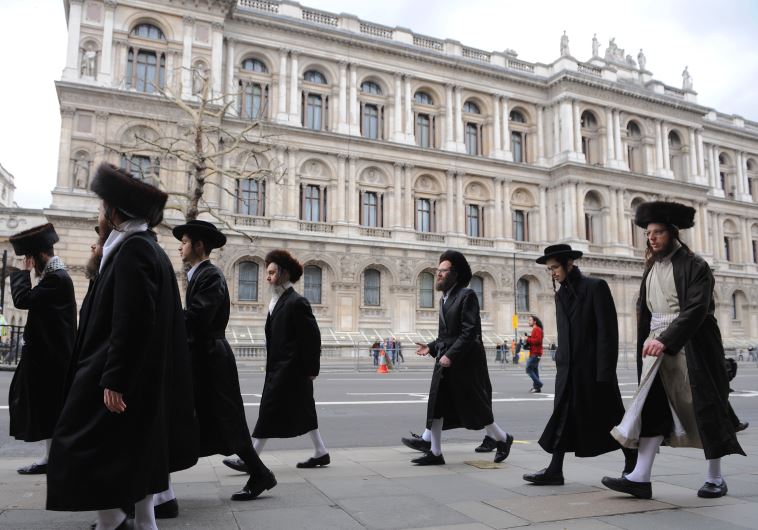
column 370, row 124
column 253, row 97
column 426, row 290
column 735, row 312
column 313, row 199
column 517, row 146
column 472, row 138
column 425, row 215
column 755, row 251
column 248, row 281
column 518, row 137
column 423, row 130
column 522, row 296
column 140, row 166
column 146, row 68
column 312, row 282
column 634, row 147
column 477, row 285
column 589, row 133
column 314, row 112
column 519, row 225
column 251, row 197
column 372, row 287
column 371, row 209
column 315, row 101
column 474, row 220
column 727, row 249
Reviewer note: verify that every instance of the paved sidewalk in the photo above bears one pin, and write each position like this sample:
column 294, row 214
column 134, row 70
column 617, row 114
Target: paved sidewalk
column 378, row 488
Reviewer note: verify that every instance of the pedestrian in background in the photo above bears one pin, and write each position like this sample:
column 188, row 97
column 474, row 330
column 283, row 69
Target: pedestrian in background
column 534, row 339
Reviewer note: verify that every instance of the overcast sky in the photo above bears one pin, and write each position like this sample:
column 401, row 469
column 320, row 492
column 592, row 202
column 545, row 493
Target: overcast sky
column 717, row 40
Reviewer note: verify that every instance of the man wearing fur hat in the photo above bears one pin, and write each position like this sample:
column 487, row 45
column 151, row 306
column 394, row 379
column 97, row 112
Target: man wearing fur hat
column 218, row 401
column 128, row 419
column 36, row 394
column 293, row 351
column 682, row 398
column 460, row 394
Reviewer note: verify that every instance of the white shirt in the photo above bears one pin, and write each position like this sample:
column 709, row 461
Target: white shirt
column 191, row 272
column 118, row 236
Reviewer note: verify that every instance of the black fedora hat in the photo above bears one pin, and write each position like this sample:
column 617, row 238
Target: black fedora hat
column 561, row 249
column 33, row 240
column 204, row 230
column 667, row 213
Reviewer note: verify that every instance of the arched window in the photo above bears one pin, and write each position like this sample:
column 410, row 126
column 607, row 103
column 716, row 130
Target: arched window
column 677, row 161
column 589, row 133
column 472, row 138
column 423, row 98
column 248, row 282
column 471, row 108
column 426, row 290
column 254, row 65
column 522, row 296
column 477, row 285
column 251, row 197
column 140, row 166
column 146, row 68
column 312, row 283
column 517, row 117
column 593, row 218
column 253, row 97
column 315, row 101
column 425, row 119
column 518, row 137
column 634, row 156
column 147, row 31
column 314, row 76
column 369, row 87
column 372, row 288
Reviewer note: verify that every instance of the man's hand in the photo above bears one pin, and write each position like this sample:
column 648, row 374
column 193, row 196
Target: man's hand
column 422, row 349
column 28, row 263
column 654, row 348
column 445, row 361
column 114, row 401
column 313, row 377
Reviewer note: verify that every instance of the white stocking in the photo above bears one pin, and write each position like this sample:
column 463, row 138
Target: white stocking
column 110, row 519
column 494, row 431
column 714, row 472
column 427, row 436
column 437, row 437
column 144, row 514
column 259, row 444
column 319, row 449
column 42, row 461
column 645, row 456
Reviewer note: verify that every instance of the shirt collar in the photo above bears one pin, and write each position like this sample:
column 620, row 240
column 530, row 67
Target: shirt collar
column 192, row 271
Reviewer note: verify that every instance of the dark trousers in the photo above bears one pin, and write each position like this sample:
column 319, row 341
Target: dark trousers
column 533, row 370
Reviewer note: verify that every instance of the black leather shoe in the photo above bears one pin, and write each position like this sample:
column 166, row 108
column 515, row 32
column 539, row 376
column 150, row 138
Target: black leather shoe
column 541, row 478
column 33, row 469
column 429, row 459
column 167, row 510
column 741, row 426
column 236, row 464
column 503, row 449
column 323, row 460
column 641, row 490
column 709, row 490
column 417, row 443
column 254, row 487
column 488, row 445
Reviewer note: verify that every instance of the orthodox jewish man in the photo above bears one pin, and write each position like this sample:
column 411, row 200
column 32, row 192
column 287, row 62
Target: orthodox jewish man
column 293, row 351
column 682, row 397
column 218, row 402
column 585, row 364
column 36, row 393
column 128, row 419
column 460, row 394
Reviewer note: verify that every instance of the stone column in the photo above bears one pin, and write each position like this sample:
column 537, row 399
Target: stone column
column 665, row 142
column 497, row 144
column 498, row 208
column 459, row 143
column 507, row 154
column 449, row 124
column 281, row 114
column 230, row 91
column 567, row 211
column 578, row 210
column 617, row 137
column 397, row 134
column 74, row 35
column 540, row 136
column 292, row 185
column 705, row 240
column 189, row 25
column 342, row 125
column 613, row 219
column 624, row 226
column 450, row 203
column 352, row 191
column 64, row 157
column 410, row 135
column 739, row 189
column 718, row 230
column 610, row 143
column 106, row 58
column 507, row 212
column 217, row 54
column 567, row 128
column 408, row 205
column 556, row 132
column 700, row 155
column 341, row 204
column 543, row 214
column 658, row 147
column 747, row 253
column 693, row 157
column 577, row 120
column 295, row 91
column 397, row 207
column 355, row 128
column 460, row 204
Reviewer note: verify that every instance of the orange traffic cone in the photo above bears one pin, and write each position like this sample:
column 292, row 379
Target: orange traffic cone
column 382, row 364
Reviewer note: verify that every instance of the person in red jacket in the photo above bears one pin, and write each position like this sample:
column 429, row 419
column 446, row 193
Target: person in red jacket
column 534, row 339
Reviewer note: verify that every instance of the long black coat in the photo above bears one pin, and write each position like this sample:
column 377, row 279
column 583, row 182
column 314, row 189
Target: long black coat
column 293, row 351
column 132, row 340
column 220, row 411
column 36, row 394
column 697, row 332
column 461, row 393
column 587, row 397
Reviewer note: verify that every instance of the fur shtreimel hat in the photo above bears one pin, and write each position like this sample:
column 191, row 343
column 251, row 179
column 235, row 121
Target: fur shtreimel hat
column 460, row 265
column 204, row 230
column 33, row 240
column 287, row 262
column 667, row 213
column 121, row 190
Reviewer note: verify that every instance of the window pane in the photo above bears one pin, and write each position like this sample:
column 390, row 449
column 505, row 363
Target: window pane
column 313, row 118
column 423, row 215
column 472, row 220
column 471, row 107
column 518, row 155
column 248, row 281
column 370, row 209
column 312, row 279
column 369, row 87
column 426, row 290
column 472, row 144
column 371, row 122
column 522, row 296
column 477, row 285
column 519, row 233
column 254, row 65
column 313, row 76
column 371, row 287
column 312, row 203
column 423, row 138
column 423, row 98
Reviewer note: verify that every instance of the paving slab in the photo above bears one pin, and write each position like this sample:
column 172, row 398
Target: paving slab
column 669, row 520
column 314, row 518
column 744, row 515
column 402, row 512
column 488, row 515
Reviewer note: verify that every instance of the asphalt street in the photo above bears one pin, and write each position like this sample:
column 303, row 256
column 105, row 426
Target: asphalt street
column 366, row 409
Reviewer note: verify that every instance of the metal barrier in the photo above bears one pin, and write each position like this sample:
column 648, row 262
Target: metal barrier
column 11, row 341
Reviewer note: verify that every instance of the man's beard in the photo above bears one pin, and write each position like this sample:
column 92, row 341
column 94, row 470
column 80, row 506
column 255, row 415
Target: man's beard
column 446, row 283
column 92, row 267
column 104, row 229
column 276, row 288
column 664, row 251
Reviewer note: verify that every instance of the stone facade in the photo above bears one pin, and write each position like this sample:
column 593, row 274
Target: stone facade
column 388, row 147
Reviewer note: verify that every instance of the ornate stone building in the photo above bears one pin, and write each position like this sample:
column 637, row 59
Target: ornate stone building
column 391, row 146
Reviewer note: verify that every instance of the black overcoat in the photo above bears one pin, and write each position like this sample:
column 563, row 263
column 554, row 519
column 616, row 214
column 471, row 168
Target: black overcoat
column 35, row 398
column 461, row 393
column 293, row 351
column 220, row 411
column 132, row 340
column 696, row 331
column 587, row 398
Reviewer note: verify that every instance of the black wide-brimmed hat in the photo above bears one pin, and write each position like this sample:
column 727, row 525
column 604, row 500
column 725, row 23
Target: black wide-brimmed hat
column 121, row 190
column 667, row 213
column 287, row 262
column 212, row 236
column 460, row 265
column 555, row 251
column 33, row 240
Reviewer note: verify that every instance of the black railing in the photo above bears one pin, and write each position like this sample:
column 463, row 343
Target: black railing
column 11, row 340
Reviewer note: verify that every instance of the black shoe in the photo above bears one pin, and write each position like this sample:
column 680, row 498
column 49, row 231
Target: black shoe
column 33, row 469
column 641, row 490
column 236, row 464
column 417, row 443
column 254, row 487
column 429, row 459
column 488, row 445
column 503, row 449
column 709, row 490
column 541, row 478
column 322, row 460
column 167, row 510
column 535, row 390
column 741, row 426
